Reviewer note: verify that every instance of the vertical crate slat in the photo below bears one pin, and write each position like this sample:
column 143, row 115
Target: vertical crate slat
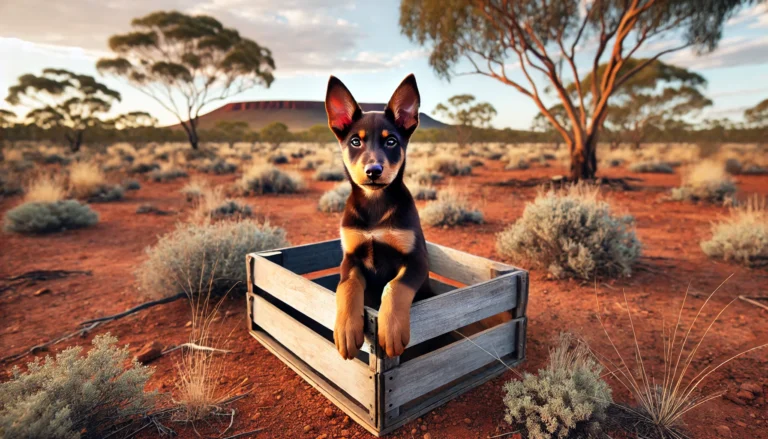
column 386, row 393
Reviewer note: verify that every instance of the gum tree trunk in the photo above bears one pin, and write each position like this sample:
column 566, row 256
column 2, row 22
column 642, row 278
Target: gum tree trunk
column 584, row 159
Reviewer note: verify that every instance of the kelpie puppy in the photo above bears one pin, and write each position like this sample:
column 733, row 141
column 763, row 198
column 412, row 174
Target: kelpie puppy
column 385, row 255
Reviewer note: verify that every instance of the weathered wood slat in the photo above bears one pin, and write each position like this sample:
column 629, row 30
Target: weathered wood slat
column 309, row 298
column 329, row 281
column 440, row 287
column 351, row 376
column 463, row 267
column 427, row 373
column 365, row 418
column 461, row 307
column 312, row 257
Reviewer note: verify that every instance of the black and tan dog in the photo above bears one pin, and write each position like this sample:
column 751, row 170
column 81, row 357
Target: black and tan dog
column 385, row 255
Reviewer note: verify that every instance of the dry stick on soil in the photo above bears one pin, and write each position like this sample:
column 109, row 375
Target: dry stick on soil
column 754, row 301
column 661, row 407
column 90, row 325
column 39, row 275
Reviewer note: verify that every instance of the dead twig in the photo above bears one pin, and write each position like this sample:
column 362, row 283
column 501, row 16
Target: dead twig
column 44, row 346
column 39, row 275
column 754, row 301
column 136, row 309
column 195, row 347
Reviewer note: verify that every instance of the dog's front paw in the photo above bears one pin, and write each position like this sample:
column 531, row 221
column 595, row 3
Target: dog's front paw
column 394, row 329
column 348, row 334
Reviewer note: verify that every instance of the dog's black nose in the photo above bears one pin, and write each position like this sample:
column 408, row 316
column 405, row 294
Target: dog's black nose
column 373, row 171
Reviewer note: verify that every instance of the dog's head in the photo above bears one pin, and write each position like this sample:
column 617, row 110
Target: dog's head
column 373, row 144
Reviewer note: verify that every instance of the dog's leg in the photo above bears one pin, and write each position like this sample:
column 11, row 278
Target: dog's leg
column 395, row 311
column 350, row 295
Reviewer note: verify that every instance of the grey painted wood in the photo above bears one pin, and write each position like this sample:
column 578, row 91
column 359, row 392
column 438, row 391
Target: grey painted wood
column 440, row 287
column 431, row 371
column 309, row 298
column 461, row 307
column 351, row 376
column 460, row 266
column 365, row 418
column 468, row 382
column 307, row 258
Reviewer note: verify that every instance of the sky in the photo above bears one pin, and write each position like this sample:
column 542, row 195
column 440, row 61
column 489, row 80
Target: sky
column 358, row 41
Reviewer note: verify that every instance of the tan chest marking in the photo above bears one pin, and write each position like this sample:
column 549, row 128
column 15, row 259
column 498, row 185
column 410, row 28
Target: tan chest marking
column 402, row 240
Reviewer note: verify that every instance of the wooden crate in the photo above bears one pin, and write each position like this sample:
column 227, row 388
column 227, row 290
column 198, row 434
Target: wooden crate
column 292, row 309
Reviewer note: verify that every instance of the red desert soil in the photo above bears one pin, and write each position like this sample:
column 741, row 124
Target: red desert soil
column 282, row 404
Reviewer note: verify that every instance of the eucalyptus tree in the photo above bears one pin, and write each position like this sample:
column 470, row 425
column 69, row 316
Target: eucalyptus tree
column 551, row 39
column 466, row 115
column 186, row 62
column 60, row 99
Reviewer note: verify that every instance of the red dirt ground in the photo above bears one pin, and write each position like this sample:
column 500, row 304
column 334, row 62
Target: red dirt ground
column 282, row 404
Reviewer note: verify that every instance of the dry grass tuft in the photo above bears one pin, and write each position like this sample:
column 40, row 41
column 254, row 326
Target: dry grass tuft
column 661, row 404
column 86, row 179
column 743, row 237
column 45, row 189
column 706, row 181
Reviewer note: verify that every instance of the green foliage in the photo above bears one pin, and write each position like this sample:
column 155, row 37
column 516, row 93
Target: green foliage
column 47, row 217
column 75, row 396
column 275, row 134
column 450, row 209
column 757, row 115
column 572, row 234
column 466, row 115
column 63, row 100
column 652, row 167
column 262, row 179
column 742, row 238
column 230, row 131
column 194, row 55
column 335, row 199
column 192, row 257
column 568, row 399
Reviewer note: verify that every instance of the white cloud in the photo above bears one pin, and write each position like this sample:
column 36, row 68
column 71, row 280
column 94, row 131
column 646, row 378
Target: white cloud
column 305, row 36
column 732, row 52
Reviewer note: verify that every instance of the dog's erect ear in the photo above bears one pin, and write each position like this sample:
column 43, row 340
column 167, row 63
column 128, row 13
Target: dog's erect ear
column 341, row 107
column 403, row 106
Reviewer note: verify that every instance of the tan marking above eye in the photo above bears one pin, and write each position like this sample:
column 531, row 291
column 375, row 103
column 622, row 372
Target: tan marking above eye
column 361, row 133
column 384, row 133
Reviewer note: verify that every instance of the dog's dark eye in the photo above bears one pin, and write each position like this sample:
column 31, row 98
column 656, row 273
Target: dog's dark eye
column 391, row 142
column 355, row 142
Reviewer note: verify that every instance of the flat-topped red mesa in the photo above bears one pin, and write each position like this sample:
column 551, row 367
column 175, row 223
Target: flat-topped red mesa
column 469, row 332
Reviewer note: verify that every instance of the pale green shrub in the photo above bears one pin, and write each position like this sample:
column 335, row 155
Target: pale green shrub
column 218, row 167
column 707, row 181
column 107, row 193
column 335, row 199
column 75, row 396
column 229, row 209
column 192, row 257
column 47, row 217
column 131, row 185
column 450, row 209
column 264, row 179
column 742, row 238
column 573, row 234
column 448, row 165
column 651, row 167
column 422, row 191
column 166, row 175
column 330, row 173
column 568, row 399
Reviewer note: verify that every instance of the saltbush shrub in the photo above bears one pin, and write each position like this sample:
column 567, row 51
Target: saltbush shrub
column 330, row 173
column 194, row 257
column 652, row 167
column 265, row 179
column 707, row 181
column 75, row 396
column 568, row 399
column 573, row 234
column 278, row 159
column 47, row 217
column 166, row 175
column 742, row 238
column 229, row 209
column 131, row 185
column 218, row 167
column 422, row 191
column 335, row 199
column 450, row 209
column 447, row 165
